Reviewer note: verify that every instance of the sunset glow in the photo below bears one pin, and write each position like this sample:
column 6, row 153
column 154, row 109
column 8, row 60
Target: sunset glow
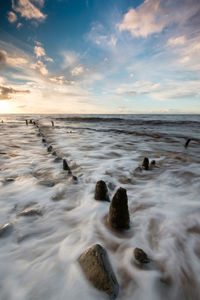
column 96, row 56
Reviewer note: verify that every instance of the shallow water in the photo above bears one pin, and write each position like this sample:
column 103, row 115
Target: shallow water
column 38, row 258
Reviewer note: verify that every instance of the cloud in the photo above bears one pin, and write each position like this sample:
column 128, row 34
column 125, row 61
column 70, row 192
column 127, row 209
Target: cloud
column 113, row 41
column 70, row 58
column 6, row 93
column 12, row 17
column 181, row 40
column 60, row 80
column 40, row 66
column 39, row 51
column 28, row 10
column 152, row 16
column 48, row 59
column 16, row 61
column 19, row 25
column 77, row 71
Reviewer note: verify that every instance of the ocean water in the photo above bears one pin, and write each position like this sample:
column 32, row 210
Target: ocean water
column 38, row 258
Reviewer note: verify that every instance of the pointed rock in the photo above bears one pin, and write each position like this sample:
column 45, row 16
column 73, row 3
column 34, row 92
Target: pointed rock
column 101, row 191
column 65, row 166
column 145, row 163
column 97, row 269
column 141, row 256
column 119, row 214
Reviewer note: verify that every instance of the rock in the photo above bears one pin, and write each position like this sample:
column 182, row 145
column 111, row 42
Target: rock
column 101, row 191
column 97, row 269
column 119, row 214
column 30, row 212
column 44, row 140
column 111, row 186
column 9, row 179
column 187, row 143
column 145, row 163
column 52, row 123
column 31, row 122
column 54, row 153
column 65, row 166
column 6, row 229
column 141, row 256
column 26, row 122
column 74, row 179
column 50, row 148
column 57, row 159
column 47, row 183
column 152, row 164
column 138, row 170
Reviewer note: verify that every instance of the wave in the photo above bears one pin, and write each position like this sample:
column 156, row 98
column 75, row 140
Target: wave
column 127, row 120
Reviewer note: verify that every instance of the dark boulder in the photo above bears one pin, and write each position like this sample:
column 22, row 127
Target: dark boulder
column 101, row 191
column 65, row 166
column 119, row 214
column 44, row 140
column 141, row 256
column 54, row 153
column 50, row 148
column 97, row 269
column 145, row 163
column 74, row 179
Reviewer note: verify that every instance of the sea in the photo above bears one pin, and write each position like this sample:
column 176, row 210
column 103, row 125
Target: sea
column 39, row 253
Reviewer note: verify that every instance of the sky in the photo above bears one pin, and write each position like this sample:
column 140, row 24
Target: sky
column 100, row 56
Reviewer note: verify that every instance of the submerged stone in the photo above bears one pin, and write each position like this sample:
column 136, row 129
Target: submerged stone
column 30, row 212
column 97, row 269
column 101, row 191
column 57, row 159
column 5, row 229
column 47, row 183
column 145, row 163
column 9, row 179
column 119, row 214
column 141, row 256
column 54, row 153
column 44, row 140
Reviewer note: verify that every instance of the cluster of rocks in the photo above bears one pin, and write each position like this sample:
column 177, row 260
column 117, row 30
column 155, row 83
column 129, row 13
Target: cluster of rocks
column 53, row 152
column 94, row 261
